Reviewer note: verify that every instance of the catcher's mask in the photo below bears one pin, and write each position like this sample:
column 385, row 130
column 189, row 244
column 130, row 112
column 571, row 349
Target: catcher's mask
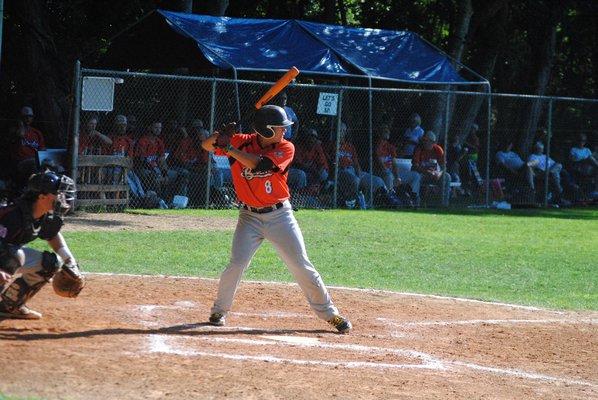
column 268, row 117
column 50, row 183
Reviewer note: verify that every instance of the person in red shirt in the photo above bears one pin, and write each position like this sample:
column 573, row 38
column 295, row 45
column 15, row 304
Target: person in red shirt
column 27, row 142
column 191, row 157
column 386, row 153
column 92, row 142
column 428, row 160
column 31, row 139
column 310, row 158
column 259, row 165
column 351, row 178
column 122, row 143
column 349, row 170
column 153, row 169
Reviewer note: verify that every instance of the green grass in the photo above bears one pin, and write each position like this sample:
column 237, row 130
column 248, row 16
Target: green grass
column 540, row 257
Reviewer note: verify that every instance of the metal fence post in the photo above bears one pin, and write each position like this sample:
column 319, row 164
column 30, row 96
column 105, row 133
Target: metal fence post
column 76, row 111
column 338, row 145
column 547, row 155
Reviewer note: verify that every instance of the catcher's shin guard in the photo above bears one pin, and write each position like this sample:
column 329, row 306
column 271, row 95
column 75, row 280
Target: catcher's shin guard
column 17, row 292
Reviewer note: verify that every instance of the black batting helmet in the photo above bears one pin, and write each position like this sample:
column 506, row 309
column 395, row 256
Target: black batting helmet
column 268, row 117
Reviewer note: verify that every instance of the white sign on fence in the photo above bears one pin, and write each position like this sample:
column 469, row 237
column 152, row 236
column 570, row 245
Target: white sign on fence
column 97, row 94
column 327, row 104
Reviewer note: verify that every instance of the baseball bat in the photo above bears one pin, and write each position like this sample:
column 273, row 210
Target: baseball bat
column 270, row 93
column 277, row 87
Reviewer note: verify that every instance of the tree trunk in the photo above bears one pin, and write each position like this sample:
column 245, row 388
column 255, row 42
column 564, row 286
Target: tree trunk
column 38, row 72
column 329, row 7
column 544, row 58
column 460, row 35
column 343, row 12
column 216, row 8
column 456, row 49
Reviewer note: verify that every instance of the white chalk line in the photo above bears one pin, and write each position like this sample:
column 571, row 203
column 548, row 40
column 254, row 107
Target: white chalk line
column 160, row 344
column 431, row 296
column 164, row 344
column 585, row 321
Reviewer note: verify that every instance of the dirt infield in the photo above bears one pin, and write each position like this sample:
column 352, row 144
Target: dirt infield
column 137, row 337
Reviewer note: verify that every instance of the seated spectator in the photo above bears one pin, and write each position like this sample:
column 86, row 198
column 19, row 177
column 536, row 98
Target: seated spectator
column 172, row 134
column 293, row 130
column 428, row 161
column 583, row 164
column 29, row 141
column 132, row 127
column 456, row 158
column 153, row 169
column 387, row 168
column 92, row 142
column 539, row 163
column 310, row 157
column 121, row 142
column 412, row 135
column 351, row 179
column 516, row 172
column 123, row 145
column 197, row 128
column 469, row 171
column 191, row 157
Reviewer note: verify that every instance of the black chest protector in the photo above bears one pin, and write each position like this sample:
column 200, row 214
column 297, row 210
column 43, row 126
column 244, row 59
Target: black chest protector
column 45, row 228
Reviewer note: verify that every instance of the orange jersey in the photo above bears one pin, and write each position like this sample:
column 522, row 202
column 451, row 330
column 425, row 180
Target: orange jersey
column 261, row 188
column 30, row 143
column 122, row 144
column 387, row 152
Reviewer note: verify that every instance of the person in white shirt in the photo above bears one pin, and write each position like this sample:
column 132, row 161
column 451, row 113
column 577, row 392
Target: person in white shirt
column 583, row 162
column 512, row 167
column 539, row 163
column 412, row 136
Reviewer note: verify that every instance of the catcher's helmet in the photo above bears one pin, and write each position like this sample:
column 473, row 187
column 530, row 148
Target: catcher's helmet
column 50, row 183
column 268, row 117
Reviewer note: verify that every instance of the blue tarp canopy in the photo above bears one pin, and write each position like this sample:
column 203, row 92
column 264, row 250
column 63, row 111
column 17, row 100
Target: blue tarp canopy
column 271, row 45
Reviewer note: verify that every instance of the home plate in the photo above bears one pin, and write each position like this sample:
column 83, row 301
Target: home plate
column 293, row 339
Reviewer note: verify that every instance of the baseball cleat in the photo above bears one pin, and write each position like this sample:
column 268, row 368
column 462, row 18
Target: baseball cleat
column 23, row 312
column 341, row 323
column 216, row 319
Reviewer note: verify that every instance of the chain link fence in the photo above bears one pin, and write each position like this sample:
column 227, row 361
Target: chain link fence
column 350, row 142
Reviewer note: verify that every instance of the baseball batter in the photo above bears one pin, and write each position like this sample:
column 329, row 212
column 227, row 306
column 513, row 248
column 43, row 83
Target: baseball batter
column 259, row 167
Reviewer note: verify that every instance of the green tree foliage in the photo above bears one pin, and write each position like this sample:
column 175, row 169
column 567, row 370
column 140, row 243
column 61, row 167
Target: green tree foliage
column 503, row 40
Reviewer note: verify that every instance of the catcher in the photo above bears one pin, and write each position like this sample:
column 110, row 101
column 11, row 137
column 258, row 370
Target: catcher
column 24, row 271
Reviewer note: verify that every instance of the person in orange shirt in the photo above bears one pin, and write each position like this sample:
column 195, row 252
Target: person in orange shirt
column 28, row 142
column 91, row 141
column 428, row 160
column 310, row 158
column 351, row 178
column 191, row 157
column 31, row 139
column 153, row 169
column 122, row 142
column 259, row 166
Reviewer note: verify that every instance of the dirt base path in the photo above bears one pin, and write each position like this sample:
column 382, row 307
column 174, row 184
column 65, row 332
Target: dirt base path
column 131, row 337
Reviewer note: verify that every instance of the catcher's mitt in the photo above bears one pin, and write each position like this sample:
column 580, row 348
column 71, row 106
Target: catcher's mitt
column 68, row 281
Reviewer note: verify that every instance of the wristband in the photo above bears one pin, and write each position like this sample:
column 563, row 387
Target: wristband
column 65, row 253
column 228, row 148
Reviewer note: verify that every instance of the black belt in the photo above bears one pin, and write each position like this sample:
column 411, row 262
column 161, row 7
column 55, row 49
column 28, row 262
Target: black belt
column 263, row 210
